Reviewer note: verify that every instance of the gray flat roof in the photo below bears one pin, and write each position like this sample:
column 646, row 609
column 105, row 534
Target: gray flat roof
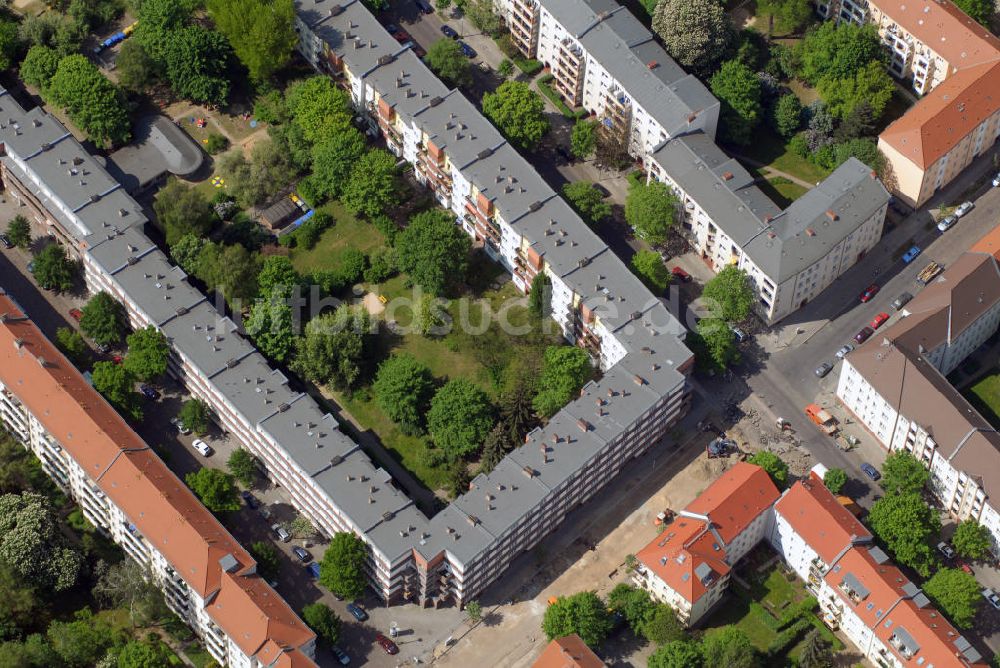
column 510, row 182
column 558, row 236
column 350, row 31
column 406, row 84
column 456, row 126
column 207, row 339
column 253, row 387
column 159, row 147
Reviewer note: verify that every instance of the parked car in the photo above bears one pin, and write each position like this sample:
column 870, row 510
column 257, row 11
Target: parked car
column 424, row 6
column 946, row 223
column 870, row 471
column 102, row 348
column 996, row 180
column 448, row 31
column 176, row 421
column 910, row 255
column 681, row 275
column 467, row 50
column 76, row 314
column 945, row 549
column 740, row 335
column 863, row 335
column 389, row 646
column 313, row 570
column 992, row 597
column 6, row 242
column 391, row 28
column 302, row 553
column 202, row 447
column 340, row 655
column 117, row 359
column 401, row 36
column 964, row 208
column 283, row 534
column 964, row 566
column 869, row 292
column 901, row 301
column 823, row 369
column 149, row 392
column 250, row 500
column 357, row 612
column 844, row 349
column 879, row 320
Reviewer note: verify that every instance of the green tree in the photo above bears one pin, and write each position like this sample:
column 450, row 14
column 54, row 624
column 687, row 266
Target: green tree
column 93, row 103
column 979, row 10
column 871, row 86
column 732, row 294
column 32, row 544
column 72, row 345
column 784, row 16
column 956, row 593
column 182, row 211
column 864, row 149
column 216, row 489
column 838, row 50
column 677, row 654
column 10, row 43
column 277, row 271
column 243, row 466
column 445, row 57
column 34, row 652
column 373, row 186
column 267, row 557
column 84, row 640
column 433, row 250
column 564, row 371
column 816, row 651
column 21, row 607
column 633, row 603
column 195, row 415
column 270, row 324
column 116, row 383
column 186, row 251
column 130, row 585
column 903, row 473
column 587, row 200
column 775, row 467
column 332, row 162
column 583, row 139
column 787, row 115
column 39, row 66
column 261, row 32
column 583, row 613
column 104, row 319
column 728, row 647
column 336, row 348
column 147, row 353
column 649, row 267
column 474, row 612
column 323, row 620
column 738, row 88
column 318, row 108
column 136, row 70
column 53, row 270
column 136, row 654
column 342, row 570
column 694, row 32
column 460, row 417
column 403, row 388
column 234, row 274
column 662, row 626
column 650, row 209
column 971, row 539
column 19, row 231
column 834, row 479
column 907, row 526
column 713, row 345
column 540, row 296
column 519, row 112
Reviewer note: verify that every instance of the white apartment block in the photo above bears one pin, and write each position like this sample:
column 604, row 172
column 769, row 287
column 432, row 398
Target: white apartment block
column 125, row 491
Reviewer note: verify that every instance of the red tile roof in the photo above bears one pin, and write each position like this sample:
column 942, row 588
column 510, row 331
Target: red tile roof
column 990, row 243
column 822, row 521
column 883, row 583
column 939, row 642
column 160, row 507
column 735, row 499
column 568, row 652
column 677, row 553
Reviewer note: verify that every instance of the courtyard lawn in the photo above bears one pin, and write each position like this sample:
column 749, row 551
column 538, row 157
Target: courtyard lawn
column 346, row 232
column 771, row 151
column 985, row 396
column 783, row 191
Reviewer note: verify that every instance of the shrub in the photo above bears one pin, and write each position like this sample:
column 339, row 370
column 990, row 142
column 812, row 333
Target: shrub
column 216, row 143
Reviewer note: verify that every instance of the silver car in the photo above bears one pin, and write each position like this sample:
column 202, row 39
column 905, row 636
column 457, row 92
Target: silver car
column 844, row 350
column 946, row 223
column 964, row 208
column 823, row 369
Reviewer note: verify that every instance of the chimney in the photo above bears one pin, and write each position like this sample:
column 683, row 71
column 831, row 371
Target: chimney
column 831, row 215
column 727, row 176
column 652, row 64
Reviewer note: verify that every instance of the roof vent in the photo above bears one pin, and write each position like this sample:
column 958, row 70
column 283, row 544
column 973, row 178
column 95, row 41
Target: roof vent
column 810, row 231
column 42, row 362
column 727, row 176
column 528, row 471
column 336, row 9
column 435, row 101
column 335, row 460
column 535, row 206
column 831, row 214
column 385, row 60
column 485, row 153
column 231, row 362
column 283, row 407
column 132, row 260
column 473, row 520
column 652, row 64
column 583, row 425
column 388, row 515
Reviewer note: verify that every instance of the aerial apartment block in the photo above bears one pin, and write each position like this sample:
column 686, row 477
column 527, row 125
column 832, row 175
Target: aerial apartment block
column 859, row 591
column 896, row 386
column 954, row 62
column 512, row 214
column 126, row 491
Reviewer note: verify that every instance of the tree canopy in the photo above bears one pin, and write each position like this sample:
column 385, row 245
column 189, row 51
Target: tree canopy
column 335, row 348
column 72, row 345
column 903, row 473
column 104, row 319
column 834, row 479
column 784, row 16
column 373, row 185
column 460, row 417
column 147, row 353
column 93, row 103
column 775, row 467
column 271, row 326
column 342, row 570
column 445, row 57
column 32, row 544
column 732, row 294
column 583, row 139
column 128, row 584
column 564, row 371
column 39, row 66
column 979, row 10
column 971, row 539
column 333, row 159
column 261, row 32
column 677, row 654
column 956, row 593
column 136, row 70
column 728, row 647
column 583, row 613
column 649, row 267
column 116, row 383
column 323, row 620
column 519, row 112
column 838, row 50
column 907, row 526
column 182, row 211
column 267, row 557
column 738, row 88
column 786, row 115
column 195, row 415
column 318, row 108
column 19, row 231
column 53, row 269
column 403, row 388
column 694, row 32
column 433, row 250
column 870, row 85
column 587, row 200
column 243, row 466
column 216, row 489
column 650, row 209
column 713, row 344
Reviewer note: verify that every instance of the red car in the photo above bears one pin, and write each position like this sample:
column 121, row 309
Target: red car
column 117, row 359
column 879, row 320
column 681, row 275
column 76, row 314
column 863, row 335
column 965, row 567
column 869, row 292
column 386, row 644
column 402, row 36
